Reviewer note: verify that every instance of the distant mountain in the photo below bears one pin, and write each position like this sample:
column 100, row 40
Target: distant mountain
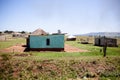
column 108, row 34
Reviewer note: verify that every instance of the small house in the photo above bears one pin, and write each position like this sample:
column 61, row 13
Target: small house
column 16, row 34
column 39, row 31
column 46, row 42
column 100, row 41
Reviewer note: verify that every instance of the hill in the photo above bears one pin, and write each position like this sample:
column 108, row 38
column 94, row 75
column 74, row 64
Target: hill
column 108, row 34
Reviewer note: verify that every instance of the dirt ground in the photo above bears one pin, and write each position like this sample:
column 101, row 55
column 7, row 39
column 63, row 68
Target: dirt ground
column 15, row 48
column 20, row 48
column 69, row 48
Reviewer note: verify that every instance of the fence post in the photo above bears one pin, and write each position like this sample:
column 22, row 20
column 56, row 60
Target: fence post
column 105, row 46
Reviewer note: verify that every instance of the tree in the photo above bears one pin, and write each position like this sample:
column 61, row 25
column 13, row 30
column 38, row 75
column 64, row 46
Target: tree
column 0, row 32
column 22, row 32
column 8, row 32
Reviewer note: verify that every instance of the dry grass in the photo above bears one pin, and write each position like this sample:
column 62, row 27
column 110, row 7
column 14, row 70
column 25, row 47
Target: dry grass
column 85, row 38
column 49, row 69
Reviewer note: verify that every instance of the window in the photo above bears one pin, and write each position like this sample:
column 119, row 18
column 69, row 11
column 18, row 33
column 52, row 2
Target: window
column 47, row 42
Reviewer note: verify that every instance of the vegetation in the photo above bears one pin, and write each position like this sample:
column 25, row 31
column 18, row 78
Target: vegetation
column 50, row 69
column 8, row 32
column 59, row 65
column 96, row 49
column 22, row 32
column 0, row 32
column 11, row 42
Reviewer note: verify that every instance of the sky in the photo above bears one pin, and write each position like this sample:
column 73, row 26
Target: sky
column 69, row 16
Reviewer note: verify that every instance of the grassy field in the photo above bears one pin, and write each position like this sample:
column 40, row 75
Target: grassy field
column 60, row 65
column 93, row 51
column 11, row 42
column 85, row 38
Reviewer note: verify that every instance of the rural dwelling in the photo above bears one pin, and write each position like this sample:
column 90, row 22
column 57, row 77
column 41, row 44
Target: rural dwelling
column 46, row 42
column 16, row 34
column 71, row 38
column 100, row 41
column 39, row 32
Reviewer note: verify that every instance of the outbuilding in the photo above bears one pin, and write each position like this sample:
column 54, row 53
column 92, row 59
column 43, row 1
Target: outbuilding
column 46, row 42
column 100, row 41
column 71, row 38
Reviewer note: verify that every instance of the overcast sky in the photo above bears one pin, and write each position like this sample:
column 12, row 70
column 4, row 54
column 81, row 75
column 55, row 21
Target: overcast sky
column 70, row 16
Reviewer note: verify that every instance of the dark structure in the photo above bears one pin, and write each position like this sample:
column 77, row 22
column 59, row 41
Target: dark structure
column 71, row 38
column 84, row 42
column 105, row 48
column 100, row 41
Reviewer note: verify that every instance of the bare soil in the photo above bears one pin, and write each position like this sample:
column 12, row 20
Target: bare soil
column 15, row 48
column 69, row 48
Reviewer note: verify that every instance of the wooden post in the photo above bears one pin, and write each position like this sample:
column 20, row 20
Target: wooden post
column 105, row 47
column 13, row 51
column 100, row 50
column 5, row 38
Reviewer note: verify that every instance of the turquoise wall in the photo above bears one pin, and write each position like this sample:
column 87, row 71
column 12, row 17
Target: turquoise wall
column 56, row 41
